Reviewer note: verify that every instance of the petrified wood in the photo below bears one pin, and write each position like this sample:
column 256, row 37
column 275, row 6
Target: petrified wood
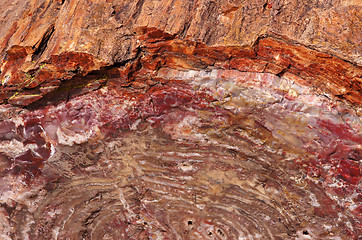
column 180, row 119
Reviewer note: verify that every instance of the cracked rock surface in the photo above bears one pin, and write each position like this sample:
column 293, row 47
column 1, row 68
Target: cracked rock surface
column 180, row 119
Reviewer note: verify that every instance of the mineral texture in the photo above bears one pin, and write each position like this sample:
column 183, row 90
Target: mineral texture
column 199, row 119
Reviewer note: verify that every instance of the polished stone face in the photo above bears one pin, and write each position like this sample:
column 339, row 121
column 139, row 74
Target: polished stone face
column 219, row 154
column 180, row 119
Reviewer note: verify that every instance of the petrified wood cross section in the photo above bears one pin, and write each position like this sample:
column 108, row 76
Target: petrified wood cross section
column 180, row 119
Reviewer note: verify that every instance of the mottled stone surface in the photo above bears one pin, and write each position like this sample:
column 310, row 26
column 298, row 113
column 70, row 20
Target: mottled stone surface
column 180, row 119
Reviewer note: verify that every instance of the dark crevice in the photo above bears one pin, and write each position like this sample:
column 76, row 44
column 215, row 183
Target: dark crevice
column 281, row 73
column 113, row 13
column 255, row 44
column 9, row 210
column 220, row 232
column 91, row 217
column 185, row 29
column 138, row 10
column 43, row 44
column 76, row 86
column 123, row 63
column 187, row 24
column 69, row 89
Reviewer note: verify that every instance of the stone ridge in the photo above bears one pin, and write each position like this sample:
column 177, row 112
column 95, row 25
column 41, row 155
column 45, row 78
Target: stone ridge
column 156, row 49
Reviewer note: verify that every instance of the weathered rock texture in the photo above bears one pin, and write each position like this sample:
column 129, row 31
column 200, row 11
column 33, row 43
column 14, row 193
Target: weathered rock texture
column 180, row 119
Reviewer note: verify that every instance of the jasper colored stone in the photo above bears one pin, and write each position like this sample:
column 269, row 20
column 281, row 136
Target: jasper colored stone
column 180, row 119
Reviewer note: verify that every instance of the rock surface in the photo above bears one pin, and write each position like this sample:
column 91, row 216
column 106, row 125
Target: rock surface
column 180, row 119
